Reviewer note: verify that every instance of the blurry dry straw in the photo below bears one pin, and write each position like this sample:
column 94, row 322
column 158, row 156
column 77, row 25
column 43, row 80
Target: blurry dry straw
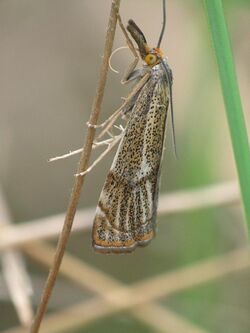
column 140, row 299
column 85, row 156
column 156, row 316
column 14, row 271
column 220, row 194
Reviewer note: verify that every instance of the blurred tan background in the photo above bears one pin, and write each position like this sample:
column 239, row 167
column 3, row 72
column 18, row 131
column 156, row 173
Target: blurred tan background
column 49, row 64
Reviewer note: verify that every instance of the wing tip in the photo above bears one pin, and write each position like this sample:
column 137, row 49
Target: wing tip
column 121, row 247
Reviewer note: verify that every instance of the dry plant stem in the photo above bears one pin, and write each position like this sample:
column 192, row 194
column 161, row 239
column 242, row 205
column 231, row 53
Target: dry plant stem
column 75, row 195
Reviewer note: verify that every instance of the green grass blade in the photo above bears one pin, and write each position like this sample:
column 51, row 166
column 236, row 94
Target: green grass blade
column 232, row 100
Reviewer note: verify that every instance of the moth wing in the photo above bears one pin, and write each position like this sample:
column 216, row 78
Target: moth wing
column 126, row 212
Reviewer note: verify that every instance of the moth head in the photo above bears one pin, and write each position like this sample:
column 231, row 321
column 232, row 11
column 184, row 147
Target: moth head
column 151, row 56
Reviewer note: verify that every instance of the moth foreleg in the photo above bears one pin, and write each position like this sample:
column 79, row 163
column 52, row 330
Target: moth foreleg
column 69, row 154
column 95, row 145
column 111, row 145
column 107, row 121
column 110, row 122
column 125, row 107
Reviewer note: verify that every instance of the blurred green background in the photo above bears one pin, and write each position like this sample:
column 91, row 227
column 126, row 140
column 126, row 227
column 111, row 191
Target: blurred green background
column 50, row 57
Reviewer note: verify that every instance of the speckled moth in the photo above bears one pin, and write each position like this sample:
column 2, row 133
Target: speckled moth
column 127, row 209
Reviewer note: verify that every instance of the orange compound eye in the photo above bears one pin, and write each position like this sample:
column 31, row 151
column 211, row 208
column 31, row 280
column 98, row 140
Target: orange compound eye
column 151, row 59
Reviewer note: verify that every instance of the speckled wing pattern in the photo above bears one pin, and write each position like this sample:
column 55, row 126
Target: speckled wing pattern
column 126, row 211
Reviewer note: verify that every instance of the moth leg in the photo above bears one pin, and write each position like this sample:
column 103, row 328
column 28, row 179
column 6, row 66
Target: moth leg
column 126, row 75
column 96, row 144
column 106, row 151
column 126, row 107
column 123, row 110
column 130, row 44
column 109, row 123
column 69, row 154
column 109, row 119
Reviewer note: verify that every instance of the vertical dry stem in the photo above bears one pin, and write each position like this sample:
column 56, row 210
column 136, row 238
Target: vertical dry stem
column 87, row 147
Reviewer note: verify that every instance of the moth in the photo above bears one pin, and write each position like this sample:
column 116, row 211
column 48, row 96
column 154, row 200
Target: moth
column 127, row 209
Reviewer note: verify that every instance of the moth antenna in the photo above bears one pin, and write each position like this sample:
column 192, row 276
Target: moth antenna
column 172, row 120
column 169, row 80
column 163, row 23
